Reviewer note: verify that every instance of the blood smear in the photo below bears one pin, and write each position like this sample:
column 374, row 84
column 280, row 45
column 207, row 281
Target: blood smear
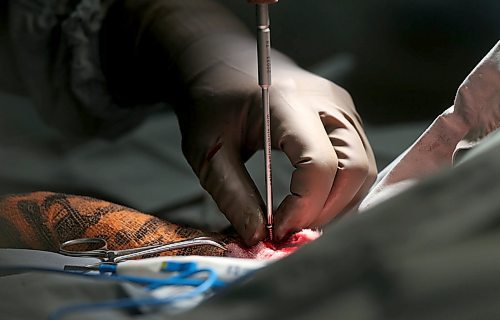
column 265, row 250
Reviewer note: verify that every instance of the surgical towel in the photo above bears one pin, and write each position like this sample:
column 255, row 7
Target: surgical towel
column 44, row 220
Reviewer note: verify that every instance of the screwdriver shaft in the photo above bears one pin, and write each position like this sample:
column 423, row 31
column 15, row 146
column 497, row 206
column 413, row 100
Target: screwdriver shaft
column 264, row 70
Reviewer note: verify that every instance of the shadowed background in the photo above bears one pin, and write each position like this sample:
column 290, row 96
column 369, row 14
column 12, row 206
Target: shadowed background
column 401, row 60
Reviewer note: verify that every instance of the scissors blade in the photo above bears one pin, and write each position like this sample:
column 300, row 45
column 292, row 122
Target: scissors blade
column 198, row 241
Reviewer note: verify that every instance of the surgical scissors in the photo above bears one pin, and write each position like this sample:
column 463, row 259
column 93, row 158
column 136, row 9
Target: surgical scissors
column 98, row 248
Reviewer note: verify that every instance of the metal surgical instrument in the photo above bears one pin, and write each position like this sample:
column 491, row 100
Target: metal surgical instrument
column 98, row 248
column 264, row 72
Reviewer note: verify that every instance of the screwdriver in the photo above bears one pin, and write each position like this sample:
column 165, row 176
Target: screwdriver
column 264, row 73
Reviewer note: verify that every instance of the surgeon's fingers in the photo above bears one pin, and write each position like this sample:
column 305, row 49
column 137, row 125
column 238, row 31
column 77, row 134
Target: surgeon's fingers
column 225, row 177
column 355, row 171
column 302, row 138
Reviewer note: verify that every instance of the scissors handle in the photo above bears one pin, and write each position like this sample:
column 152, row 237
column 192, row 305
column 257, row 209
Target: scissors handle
column 97, row 248
column 94, row 247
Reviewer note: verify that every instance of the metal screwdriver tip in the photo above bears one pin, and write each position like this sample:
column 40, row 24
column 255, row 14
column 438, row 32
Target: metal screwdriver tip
column 270, row 231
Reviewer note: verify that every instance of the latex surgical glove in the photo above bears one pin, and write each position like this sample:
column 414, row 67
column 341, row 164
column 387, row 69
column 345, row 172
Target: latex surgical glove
column 313, row 121
column 195, row 55
column 475, row 114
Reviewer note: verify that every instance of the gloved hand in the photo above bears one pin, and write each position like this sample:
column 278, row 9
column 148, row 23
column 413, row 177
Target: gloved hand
column 475, row 113
column 208, row 62
column 313, row 122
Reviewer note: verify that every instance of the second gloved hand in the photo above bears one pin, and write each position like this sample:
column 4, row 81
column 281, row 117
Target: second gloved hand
column 313, row 122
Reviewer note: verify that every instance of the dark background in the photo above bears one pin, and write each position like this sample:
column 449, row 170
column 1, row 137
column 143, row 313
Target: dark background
column 400, row 60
